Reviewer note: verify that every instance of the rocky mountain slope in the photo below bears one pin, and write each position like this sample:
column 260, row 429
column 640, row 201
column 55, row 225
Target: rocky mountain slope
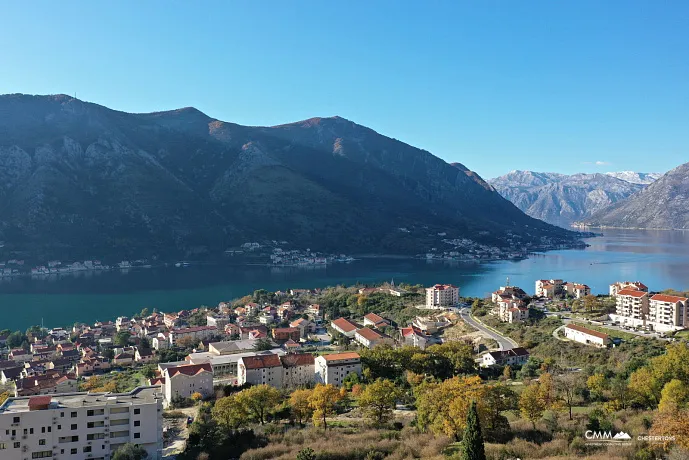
column 562, row 199
column 663, row 204
column 81, row 180
column 636, row 177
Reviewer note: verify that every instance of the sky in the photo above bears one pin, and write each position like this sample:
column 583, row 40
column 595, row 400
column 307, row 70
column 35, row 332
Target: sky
column 562, row 86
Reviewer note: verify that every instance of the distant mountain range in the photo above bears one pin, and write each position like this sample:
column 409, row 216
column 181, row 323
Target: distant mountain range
column 81, row 180
column 562, row 199
column 664, row 204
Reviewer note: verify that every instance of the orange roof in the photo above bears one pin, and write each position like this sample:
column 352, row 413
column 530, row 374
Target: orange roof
column 300, row 359
column 369, row 334
column 632, row 293
column 587, row 331
column 668, row 298
column 375, row 319
column 189, row 369
column 344, row 324
column 261, row 361
column 339, row 356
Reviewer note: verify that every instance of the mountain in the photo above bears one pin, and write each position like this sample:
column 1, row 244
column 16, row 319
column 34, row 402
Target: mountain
column 663, row 204
column 562, row 199
column 635, row 177
column 81, row 180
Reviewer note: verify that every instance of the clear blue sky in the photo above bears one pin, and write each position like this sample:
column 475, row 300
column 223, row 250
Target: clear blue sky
column 549, row 85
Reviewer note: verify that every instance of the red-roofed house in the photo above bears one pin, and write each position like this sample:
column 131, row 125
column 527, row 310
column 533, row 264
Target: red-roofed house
column 668, row 312
column 633, row 285
column 286, row 333
column 187, row 379
column 369, row 338
column 587, row 336
column 413, row 336
column 632, row 306
column 264, row 369
column 344, row 327
column 442, row 296
column 375, row 321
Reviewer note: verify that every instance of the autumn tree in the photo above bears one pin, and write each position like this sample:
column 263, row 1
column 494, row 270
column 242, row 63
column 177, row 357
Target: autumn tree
column 323, row 400
column 675, row 396
column 378, row 400
column 299, row 405
column 230, row 412
column 187, row 342
column 671, row 422
column 443, row 407
column 507, row 372
column 590, row 302
column 531, row 405
column 498, row 399
column 3, row 396
column 597, row 384
column 259, row 400
column 196, row 396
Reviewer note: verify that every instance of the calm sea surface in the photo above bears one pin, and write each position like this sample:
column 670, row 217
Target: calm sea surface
column 658, row 258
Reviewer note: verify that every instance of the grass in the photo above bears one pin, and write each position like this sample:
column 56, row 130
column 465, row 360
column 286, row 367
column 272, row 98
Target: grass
column 605, row 330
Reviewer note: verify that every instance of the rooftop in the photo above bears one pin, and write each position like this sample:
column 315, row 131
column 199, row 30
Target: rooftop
column 341, row 356
column 585, row 330
column 138, row 396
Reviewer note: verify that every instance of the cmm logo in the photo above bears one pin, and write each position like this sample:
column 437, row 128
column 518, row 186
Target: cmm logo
column 606, row 436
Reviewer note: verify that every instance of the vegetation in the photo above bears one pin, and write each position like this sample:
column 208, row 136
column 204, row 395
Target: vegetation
column 472, row 441
column 130, row 451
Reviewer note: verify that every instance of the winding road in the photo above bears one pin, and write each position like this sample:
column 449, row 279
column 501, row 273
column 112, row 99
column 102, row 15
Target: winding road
column 505, row 343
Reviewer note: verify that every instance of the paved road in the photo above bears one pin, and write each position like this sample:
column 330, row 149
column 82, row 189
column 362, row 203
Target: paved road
column 505, row 343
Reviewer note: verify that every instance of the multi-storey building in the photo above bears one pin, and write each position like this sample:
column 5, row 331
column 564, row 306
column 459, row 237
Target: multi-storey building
column 81, row 426
column 260, row 370
column 441, row 296
column 332, row 369
column 632, row 307
column 369, row 338
column 195, row 332
column 576, row 290
column 298, row 369
column 549, row 288
column 622, row 285
column 344, row 327
column 413, row 336
column 668, row 312
column 185, row 380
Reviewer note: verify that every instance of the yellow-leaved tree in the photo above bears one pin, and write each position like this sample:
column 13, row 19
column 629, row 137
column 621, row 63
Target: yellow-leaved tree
column 323, row 400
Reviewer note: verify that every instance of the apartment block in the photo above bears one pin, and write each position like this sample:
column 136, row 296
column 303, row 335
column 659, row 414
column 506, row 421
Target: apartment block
column 333, row 368
column 633, row 306
column 668, row 312
column 81, row 426
column 441, row 296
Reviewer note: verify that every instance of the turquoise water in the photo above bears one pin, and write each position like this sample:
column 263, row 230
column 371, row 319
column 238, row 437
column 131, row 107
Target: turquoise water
column 658, row 258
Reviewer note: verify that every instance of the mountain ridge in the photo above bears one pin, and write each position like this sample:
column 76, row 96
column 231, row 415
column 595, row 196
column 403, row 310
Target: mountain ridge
column 80, row 178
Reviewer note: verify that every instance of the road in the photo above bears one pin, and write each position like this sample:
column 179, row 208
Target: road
column 567, row 318
column 505, row 343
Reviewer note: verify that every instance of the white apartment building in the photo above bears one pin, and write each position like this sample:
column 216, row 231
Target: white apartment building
column 576, row 290
column 81, row 426
column 218, row 321
column 622, row 285
column 260, row 370
column 413, row 336
column 195, row 332
column 298, row 369
column 586, row 336
column 441, row 296
column 632, row 307
column 668, row 313
column 344, row 327
column 332, row 369
column 184, row 380
column 549, row 288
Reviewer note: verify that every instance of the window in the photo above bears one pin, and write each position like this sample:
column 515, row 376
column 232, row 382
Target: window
column 42, row 454
column 137, row 411
column 74, row 426
column 3, row 446
column 16, row 445
column 42, row 429
column 50, row 428
column 62, row 451
column 137, row 435
column 73, row 415
column 62, row 414
column 59, row 427
column 87, row 448
column 41, row 442
column 15, row 420
column 73, row 451
column 137, row 423
column 14, row 432
column 89, row 412
column 30, row 430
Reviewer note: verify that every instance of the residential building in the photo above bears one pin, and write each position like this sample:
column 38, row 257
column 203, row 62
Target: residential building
column 226, row 366
column 668, row 312
column 333, row 368
column 587, row 336
column 143, row 355
column 515, row 314
column 344, row 327
column 81, row 426
column 549, row 288
column 375, row 321
column 315, row 311
column 304, row 325
column 298, row 369
column 578, row 291
column 184, row 380
column 20, row 355
column 442, row 296
column 369, row 338
column 50, row 383
column 260, row 370
column 431, row 324
column 195, row 332
column 509, row 293
column 413, row 336
column 631, row 307
column 218, row 321
column 283, row 334
column 629, row 285
column 514, row 357
column 123, row 359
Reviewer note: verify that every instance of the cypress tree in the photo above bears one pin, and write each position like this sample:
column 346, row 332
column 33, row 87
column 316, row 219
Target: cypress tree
column 472, row 443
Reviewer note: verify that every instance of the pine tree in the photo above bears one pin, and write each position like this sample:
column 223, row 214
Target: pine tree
column 472, row 443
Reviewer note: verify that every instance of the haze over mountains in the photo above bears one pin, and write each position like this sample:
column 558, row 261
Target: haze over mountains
column 562, row 199
column 82, row 180
column 664, row 205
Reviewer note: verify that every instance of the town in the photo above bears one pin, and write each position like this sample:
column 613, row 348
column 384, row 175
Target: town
column 152, row 380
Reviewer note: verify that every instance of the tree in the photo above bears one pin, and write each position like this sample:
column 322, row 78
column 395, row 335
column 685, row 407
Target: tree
column 230, row 412
column 3, row 396
column 597, row 384
column 531, row 404
column 546, row 391
column 472, row 441
column 671, row 424
column 590, row 302
column 130, row 451
column 568, row 387
column 323, row 400
column 196, row 396
column 507, row 372
column 378, row 400
column 259, row 400
column 675, row 396
column 121, row 339
column 499, row 398
column 299, row 402
column 144, row 312
column 263, row 344
column 16, row 339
